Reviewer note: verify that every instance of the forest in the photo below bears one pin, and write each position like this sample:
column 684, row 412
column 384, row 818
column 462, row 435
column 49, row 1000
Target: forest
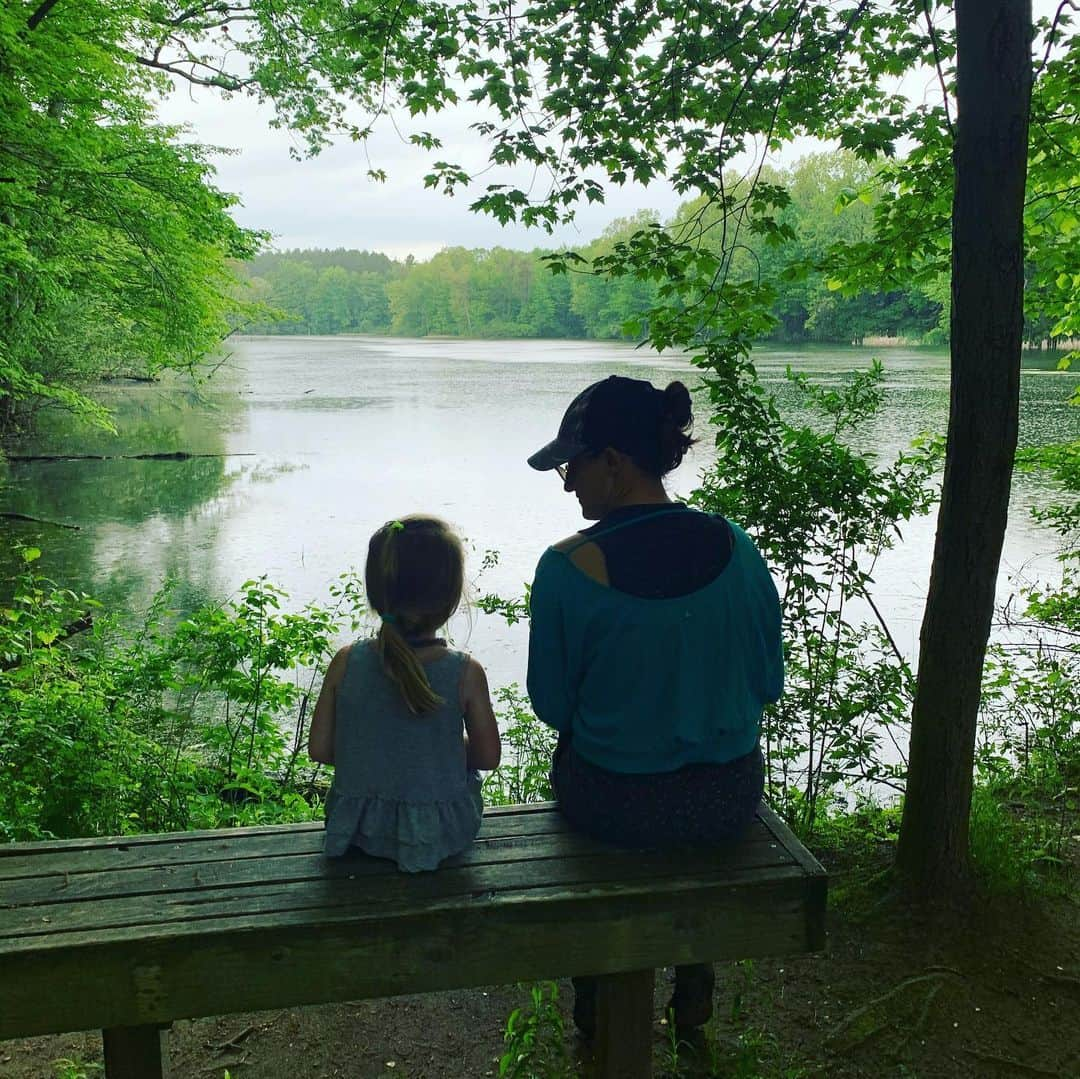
column 510, row 294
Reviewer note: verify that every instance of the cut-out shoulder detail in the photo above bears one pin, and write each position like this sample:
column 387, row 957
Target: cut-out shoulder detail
column 589, row 558
column 586, row 555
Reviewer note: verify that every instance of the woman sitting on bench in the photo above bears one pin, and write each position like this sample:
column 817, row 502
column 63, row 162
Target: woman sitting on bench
column 655, row 645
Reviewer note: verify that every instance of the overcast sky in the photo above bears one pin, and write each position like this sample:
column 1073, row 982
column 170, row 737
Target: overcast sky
column 328, row 201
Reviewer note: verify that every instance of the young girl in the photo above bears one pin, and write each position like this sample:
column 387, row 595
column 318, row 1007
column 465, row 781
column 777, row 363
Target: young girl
column 406, row 721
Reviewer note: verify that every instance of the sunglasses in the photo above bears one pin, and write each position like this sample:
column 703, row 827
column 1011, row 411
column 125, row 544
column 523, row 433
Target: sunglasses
column 564, row 470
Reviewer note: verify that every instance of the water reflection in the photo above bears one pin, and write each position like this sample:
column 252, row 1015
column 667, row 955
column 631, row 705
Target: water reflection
column 118, row 526
column 344, row 433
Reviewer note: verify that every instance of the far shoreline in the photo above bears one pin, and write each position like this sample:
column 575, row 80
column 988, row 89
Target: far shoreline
column 1045, row 350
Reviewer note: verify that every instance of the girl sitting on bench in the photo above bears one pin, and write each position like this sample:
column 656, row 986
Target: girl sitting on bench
column 405, row 720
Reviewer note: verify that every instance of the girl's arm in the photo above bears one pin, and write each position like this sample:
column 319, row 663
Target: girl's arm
column 483, row 749
column 321, row 735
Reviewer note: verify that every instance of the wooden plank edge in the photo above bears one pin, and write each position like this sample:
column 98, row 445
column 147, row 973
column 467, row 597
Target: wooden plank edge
column 150, row 839
column 481, row 851
column 790, row 841
column 267, row 955
column 231, row 850
column 186, row 890
column 44, row 888
column 222, row 924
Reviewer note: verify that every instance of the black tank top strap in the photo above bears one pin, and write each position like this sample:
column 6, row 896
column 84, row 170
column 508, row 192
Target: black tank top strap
column 621, row 525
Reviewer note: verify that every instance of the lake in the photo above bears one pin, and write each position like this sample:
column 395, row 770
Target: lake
column 323, row 439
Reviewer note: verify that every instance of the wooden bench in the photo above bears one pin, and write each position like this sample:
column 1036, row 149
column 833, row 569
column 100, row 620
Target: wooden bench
column 128, row 934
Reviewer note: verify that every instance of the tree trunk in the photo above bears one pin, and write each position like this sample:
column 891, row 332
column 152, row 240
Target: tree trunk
column 993, row 92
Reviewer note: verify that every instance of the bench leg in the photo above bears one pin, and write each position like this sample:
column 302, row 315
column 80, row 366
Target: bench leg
column 624, row 1025
column 136, row 1052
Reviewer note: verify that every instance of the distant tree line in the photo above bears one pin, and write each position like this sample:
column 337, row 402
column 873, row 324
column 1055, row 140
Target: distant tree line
column 502, row 293
column 463, row 292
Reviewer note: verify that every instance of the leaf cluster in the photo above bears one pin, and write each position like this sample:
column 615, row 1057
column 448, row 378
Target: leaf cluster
column 174, row 723
column 821, row 511
column 535, row 1045
column 115, row 244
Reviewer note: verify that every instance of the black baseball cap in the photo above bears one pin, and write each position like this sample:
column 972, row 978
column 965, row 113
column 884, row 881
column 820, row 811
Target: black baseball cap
column 623, row 413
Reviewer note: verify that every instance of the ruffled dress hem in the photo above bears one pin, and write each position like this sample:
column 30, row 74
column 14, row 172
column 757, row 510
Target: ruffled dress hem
column 417, row 836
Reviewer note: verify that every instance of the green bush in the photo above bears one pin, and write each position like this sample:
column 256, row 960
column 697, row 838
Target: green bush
column 528, row 745
column 535, row 1042
column 172, row 724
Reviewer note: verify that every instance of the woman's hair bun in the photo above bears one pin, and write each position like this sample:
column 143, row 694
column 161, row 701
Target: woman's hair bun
column 677, row 404
column 676, row 421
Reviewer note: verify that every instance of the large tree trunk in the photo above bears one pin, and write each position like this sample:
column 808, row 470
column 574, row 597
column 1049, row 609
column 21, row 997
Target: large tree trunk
column 990, row 167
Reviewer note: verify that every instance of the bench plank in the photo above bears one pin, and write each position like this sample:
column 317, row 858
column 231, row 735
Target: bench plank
column 19, row 860
column 184, row 909
column 69, row 886
column 139, row 931
column 272, row 867
column 494, row 817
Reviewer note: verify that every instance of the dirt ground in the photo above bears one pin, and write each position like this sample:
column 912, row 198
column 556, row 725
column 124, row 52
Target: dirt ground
column 993, row 995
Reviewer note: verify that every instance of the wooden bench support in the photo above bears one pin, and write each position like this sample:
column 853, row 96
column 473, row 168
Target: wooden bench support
column 624, row 1025
column 136, row 1052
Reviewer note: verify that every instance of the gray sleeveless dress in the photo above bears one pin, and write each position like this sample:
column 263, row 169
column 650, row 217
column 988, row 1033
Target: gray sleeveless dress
column 401, row 789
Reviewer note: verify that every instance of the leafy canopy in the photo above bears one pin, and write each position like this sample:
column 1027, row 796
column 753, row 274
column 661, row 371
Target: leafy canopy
column 573, row 97
column 115, row 245
column 118, row 224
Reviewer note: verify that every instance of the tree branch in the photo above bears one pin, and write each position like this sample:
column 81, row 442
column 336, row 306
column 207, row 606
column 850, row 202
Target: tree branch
column 937, row 67
column 219, row 80
column 43, row 9
column 1053, row 29
column 221, row 13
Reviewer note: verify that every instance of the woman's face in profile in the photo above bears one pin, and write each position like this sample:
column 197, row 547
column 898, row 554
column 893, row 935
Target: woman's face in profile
column 586, row 477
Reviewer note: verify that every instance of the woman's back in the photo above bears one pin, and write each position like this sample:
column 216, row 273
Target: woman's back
column 661, row 677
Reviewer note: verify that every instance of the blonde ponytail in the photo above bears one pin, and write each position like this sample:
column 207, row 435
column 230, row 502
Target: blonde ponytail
column 400, row 663
column 414, row 576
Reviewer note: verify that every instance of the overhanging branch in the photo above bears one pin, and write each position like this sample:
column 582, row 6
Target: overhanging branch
column 218, row 79
column 39, row 14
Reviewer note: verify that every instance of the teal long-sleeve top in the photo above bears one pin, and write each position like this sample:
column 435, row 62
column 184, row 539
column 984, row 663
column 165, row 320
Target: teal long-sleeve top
column 650, row 685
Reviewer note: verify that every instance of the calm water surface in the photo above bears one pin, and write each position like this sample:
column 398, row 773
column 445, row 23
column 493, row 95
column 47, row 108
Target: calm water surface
column 325, row 438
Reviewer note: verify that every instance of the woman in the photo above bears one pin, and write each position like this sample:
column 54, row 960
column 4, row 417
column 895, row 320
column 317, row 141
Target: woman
column 654, row 647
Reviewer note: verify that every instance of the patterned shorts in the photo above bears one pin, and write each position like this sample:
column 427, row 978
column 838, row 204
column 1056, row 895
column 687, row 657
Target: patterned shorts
column 700, row 803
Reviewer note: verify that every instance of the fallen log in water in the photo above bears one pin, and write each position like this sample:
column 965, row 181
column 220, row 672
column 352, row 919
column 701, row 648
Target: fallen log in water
column 175, row 455
column 38, row 520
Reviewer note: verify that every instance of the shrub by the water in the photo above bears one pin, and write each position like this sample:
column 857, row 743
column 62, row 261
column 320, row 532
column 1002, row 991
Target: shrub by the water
column 170, row 724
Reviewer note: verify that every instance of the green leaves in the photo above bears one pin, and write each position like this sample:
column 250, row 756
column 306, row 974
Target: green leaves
column 162, row 725
column 115, row 251
column 535, row 1044
column 821, row 512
